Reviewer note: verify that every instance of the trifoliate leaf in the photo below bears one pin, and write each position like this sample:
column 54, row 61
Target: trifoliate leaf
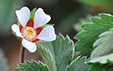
column 103, row 59
column 61, row 50
column 91, row 31
column 78, row 65
column 104, row 44
column 32, row 66
column 101, row 67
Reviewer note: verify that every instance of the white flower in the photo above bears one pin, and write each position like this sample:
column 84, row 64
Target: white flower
column 32, row 28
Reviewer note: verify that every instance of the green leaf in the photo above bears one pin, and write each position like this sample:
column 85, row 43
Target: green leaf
column 32, row 66
column 61, row 51
column 78, row 65
column 48, row 57
column 101, row 67
column 103, row 63
column 104, row 44
column 103, row 59
column 91, row 31
column 81, row 22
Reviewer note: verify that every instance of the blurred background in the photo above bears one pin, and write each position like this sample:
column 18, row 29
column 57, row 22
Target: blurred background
column 67, row 15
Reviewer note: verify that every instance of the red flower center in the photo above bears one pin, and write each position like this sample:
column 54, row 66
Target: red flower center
column 29, row 33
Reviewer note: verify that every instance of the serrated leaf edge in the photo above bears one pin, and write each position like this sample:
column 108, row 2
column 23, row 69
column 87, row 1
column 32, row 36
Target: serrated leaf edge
column 98, row 61
column 39, row 62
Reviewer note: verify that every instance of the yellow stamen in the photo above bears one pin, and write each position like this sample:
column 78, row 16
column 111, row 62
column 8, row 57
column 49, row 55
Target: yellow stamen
column 29, row 31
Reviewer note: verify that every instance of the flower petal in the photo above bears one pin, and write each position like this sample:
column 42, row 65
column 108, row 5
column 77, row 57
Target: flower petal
column 23, row 15
column 29, row 45
column 40, row 18
column 16, row 29
column 47, row 34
